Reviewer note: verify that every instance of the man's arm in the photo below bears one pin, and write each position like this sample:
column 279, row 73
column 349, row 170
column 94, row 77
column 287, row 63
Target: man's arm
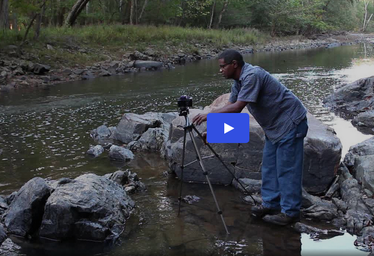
column 236, row 107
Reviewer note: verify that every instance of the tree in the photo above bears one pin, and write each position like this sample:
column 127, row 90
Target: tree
column 366, row 19
column 212, row 14
column 4, row 23
column 223, row 10
column 75, row 11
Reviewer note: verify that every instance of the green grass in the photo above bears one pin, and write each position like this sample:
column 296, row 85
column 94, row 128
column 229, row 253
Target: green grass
column 115, row 40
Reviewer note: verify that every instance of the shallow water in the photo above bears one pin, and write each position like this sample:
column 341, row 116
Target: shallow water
column 46, row 133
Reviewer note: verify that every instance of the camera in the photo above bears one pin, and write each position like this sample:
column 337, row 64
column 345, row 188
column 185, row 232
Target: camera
column 184, row 101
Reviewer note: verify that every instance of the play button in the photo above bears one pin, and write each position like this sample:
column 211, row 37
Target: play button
column 227, row 128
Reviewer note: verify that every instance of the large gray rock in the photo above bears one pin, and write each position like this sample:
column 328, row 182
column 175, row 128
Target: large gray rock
column 89, row 207
column 26, row 210
column 354, row 99
column 360, row 160
column 132, row 126
column 321, row 156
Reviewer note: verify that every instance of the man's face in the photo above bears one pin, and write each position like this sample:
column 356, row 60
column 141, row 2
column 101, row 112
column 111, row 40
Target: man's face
column 226, row 69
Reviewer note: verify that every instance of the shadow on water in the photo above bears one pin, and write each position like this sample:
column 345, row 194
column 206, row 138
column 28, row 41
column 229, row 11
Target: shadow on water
column 46, row 133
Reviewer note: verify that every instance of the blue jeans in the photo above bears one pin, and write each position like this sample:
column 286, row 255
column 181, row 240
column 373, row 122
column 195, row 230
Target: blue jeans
column 282, row 171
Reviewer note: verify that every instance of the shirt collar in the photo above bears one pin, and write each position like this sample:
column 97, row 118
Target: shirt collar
column 245, row 66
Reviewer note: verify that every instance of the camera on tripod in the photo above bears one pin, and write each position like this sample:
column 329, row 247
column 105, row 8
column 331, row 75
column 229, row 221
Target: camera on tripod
column 184, row 102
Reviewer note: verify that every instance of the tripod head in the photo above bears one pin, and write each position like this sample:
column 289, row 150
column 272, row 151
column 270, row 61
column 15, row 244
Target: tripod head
column 184, row 102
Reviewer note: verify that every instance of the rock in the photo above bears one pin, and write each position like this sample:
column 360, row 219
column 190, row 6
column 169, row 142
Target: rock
column 358, row 215
column 321, row 156
column 138, row 56
column 360, row 159
column 26, row 210
column 364, row 121
column 3, row 205
column 120, row 154
column 120, row 177
column 350, row 100
column 8, row 248
column 191, row 199
column 318, row 208
column 90, row 208
column 366, row 240
column 253, row 200
column 95, row 151
column 104, row 73
column 103, row 135
column 40, row 69
column 49, row 47
column 151, row 140
column 147, row 64
column 87, row 75
column 3, row 235
column 132, row 126
column 250, row 186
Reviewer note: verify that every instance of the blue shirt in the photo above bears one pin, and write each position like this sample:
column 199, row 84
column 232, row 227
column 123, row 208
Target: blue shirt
column 273, row 106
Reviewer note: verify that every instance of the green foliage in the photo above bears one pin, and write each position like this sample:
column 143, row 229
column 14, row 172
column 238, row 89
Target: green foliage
column 277, row 17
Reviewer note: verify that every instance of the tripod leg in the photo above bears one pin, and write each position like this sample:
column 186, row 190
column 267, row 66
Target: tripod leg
column 182, row 169
column 207, row 178
column 224, row 164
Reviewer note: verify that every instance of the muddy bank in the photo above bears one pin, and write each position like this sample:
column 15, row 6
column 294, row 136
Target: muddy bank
column 17, row 72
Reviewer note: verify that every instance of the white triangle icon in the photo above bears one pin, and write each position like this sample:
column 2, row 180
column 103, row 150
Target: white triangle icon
column 227, row 128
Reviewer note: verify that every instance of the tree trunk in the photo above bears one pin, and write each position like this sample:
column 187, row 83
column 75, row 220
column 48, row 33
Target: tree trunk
column 4, row 23
column 75, row 11
column 183, row 13
column 143, row 8
column 87, row 21
column 131, row 12
column 212, row 14
column 39, row 22
column 222, row 12
column 14, row 21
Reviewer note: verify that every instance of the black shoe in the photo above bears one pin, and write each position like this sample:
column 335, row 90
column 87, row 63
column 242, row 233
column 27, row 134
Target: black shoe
column 260, row 211
column 281, row 219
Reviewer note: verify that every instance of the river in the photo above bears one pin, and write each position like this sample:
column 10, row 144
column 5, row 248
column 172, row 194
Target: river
column 46, row 133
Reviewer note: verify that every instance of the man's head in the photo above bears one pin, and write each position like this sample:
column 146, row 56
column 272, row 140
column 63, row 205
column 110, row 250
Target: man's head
column 230, row 64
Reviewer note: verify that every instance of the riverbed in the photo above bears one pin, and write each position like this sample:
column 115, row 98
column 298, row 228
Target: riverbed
column 46, row 133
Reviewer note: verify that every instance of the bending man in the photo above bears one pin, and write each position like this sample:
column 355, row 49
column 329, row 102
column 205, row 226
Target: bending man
column 282, row 116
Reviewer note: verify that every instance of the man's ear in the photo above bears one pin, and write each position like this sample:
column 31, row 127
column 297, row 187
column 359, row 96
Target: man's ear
column 235, row 63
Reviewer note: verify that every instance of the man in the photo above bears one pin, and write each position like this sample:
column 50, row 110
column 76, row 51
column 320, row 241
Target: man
column 283, row 119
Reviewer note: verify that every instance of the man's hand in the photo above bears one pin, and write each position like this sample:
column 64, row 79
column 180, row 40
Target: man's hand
column 199, row 119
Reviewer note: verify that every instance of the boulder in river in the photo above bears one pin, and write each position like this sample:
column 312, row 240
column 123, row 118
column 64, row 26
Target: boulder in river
column 89, row 207
column 26, row 210
column 355, row 101
column 360, row 161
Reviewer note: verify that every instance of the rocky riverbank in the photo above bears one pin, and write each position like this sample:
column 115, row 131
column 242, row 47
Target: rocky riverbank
column 25, row 71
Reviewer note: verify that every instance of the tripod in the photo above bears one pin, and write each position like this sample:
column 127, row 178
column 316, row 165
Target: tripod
column 189, row 127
